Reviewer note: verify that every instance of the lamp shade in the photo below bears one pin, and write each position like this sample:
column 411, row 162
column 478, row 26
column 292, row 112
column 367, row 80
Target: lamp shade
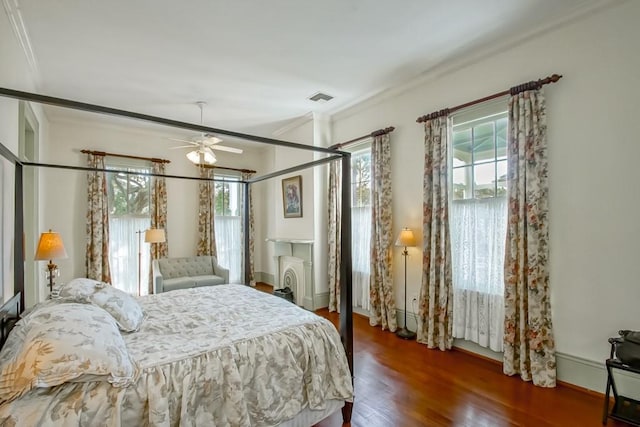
column 406, row 238
column 50, row 247
column 154, row 235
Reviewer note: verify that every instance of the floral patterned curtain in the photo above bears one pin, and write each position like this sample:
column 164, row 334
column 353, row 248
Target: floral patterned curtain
column 435, row 313
column 158, row 215
column 529, row 348
column 334, row 232
column 97, row 257
column 381, row 293
column 206, row 209
column 252, row 280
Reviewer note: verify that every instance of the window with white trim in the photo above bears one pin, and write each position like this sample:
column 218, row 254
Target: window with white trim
column 228, row 225
column 478, row 222
column 129, row 212
column 361, row 225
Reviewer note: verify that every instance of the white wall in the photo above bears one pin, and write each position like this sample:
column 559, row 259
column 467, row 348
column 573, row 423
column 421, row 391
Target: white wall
column 65, row 190
column 271, row 190
column 313, row 223
column 287, row 157
column 321, row 138
column 593, row 154
column 263, row 196
column 15, row 73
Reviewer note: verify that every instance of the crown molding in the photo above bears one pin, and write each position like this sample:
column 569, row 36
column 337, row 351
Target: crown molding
column 99, row 122
column 12, row 10
column 467, row 58
column 293, row 124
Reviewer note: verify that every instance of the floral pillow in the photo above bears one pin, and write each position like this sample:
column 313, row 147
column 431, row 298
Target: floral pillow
column 122, row 306
column 62, row 343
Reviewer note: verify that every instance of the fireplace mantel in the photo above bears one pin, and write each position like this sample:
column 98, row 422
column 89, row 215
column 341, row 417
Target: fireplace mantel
column 285, row 240
column 298, row 248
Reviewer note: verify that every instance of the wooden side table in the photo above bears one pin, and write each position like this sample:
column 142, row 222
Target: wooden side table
column 624, row 408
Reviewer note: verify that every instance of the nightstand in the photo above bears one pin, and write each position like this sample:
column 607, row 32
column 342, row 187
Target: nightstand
column 625, row 408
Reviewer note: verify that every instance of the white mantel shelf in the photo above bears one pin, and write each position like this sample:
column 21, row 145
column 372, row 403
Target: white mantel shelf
column 285, row 240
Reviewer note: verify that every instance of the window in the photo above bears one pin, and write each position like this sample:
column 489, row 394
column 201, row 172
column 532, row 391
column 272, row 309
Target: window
column 361, row 226
column 478, row 223
column 129, row 212
column 480, row 158
column 228, row 225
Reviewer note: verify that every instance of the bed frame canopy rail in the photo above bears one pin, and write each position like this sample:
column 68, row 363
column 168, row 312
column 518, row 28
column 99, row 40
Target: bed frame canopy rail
column 333, row 154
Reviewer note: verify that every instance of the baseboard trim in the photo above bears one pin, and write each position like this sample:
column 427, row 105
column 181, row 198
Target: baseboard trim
column 267, row 278
column 478, row 355
column 412, row 319
column 307, row 303
column 321, row 300
column 574, row 372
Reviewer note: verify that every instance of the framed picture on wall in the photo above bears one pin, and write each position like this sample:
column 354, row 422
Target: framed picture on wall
column 292, row 197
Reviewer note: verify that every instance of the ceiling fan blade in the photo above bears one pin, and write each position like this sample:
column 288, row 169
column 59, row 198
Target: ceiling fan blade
column 183, row 140
column 181, row 146
column 212, row 139
column 225, row 148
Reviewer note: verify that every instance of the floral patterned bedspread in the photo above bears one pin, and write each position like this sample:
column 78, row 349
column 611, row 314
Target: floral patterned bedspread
column 224, row 355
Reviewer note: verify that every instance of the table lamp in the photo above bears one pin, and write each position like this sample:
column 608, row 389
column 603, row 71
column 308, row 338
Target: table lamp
column 49, row 248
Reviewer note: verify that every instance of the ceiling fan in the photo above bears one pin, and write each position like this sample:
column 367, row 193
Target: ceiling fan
column 204, row 145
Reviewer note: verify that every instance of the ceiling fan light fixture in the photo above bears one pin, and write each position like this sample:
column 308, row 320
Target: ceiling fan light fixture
column 200, row 157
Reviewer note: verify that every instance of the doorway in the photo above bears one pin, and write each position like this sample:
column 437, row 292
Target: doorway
column 28, row 149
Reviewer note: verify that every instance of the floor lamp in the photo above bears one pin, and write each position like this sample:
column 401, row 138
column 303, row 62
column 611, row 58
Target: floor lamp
column 154, row 235
column 406, row 239
column 50, row 247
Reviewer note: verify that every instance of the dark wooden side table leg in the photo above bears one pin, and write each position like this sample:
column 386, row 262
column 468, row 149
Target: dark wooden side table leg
column 346, row 412
column 605, row 414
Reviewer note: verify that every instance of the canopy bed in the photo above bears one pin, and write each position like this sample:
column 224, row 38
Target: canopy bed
column 226, row 377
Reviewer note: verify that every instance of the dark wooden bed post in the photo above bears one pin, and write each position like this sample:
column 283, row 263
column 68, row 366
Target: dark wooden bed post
column 18, row 237
column 10, row 310
column 346, row 308
column 18, row 224
column 245, row 225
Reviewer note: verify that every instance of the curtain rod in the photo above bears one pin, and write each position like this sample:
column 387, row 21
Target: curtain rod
column 534, row 84
column 156, row 160
column 373, row 134
column 227, row 168
column 125, row 156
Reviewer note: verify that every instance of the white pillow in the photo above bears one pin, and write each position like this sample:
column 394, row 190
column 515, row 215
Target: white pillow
column 122, row 306
column 64, row 343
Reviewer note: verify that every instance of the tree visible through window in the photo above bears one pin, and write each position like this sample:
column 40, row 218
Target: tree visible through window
column 361, row 179
column 128, row 194
column 223, row 198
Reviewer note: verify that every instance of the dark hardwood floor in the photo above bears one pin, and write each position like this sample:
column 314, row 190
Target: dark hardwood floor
column 403, row 383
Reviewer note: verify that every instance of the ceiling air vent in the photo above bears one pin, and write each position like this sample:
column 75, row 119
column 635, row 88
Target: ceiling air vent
column 321, row 97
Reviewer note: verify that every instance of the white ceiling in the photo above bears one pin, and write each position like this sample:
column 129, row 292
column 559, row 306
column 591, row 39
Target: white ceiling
column 254, row 61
